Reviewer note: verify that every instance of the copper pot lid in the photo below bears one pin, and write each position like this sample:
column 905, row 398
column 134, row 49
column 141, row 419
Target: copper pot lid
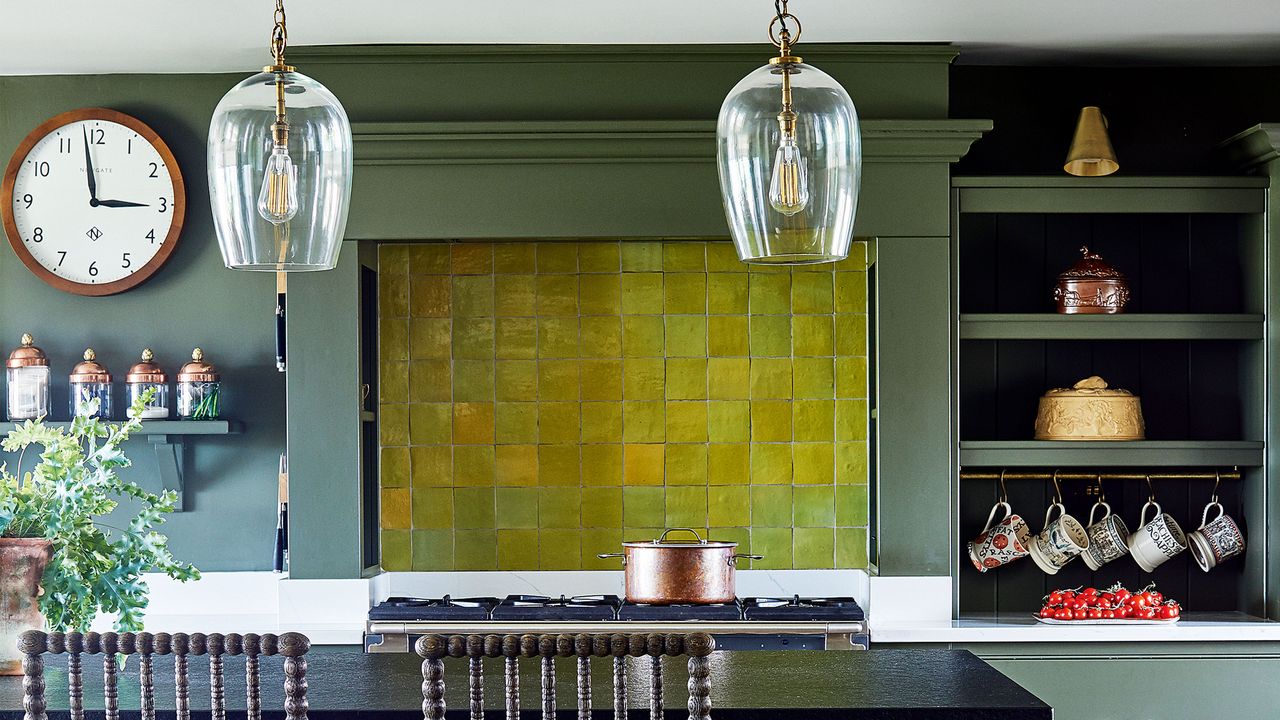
column 1091, row 267
column 90, row 371
column 696, row 544
column 146, row 371
column 27, row 355
column 198, row 370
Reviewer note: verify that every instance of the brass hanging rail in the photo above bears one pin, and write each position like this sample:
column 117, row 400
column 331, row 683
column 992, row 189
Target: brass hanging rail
column 983, row 475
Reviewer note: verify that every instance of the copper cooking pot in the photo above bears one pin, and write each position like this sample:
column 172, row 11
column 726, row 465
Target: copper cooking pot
column 689, row 572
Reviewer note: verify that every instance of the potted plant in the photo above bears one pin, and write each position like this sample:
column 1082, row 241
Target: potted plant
column 75, row 539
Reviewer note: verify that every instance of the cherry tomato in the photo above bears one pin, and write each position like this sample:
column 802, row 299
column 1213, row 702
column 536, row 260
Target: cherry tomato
column 1124, row 612
column 1095, row 614
column 1080, row 614
column 1149, row 614
column 1047, row 612
column 1062, row 614
column 1089, row 592
column 1108, row 599
column 1067, row 595
column 1108, row 614
column 1078, row 603
column 1122, row 594
column 1138, row 601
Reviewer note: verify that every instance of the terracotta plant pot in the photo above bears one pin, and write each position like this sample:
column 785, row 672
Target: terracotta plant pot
column 22, row 564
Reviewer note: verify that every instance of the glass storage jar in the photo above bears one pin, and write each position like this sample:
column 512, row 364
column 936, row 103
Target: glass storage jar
column 90, row 381
column 147, row 376
column 199, row 389
column 27, row 371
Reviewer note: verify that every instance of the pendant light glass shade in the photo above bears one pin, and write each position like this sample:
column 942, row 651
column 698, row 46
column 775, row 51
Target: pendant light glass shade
column 790, row 198
column 280, row 208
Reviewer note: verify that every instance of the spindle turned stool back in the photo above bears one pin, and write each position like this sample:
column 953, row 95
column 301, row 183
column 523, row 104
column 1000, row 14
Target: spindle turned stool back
column 434, row 648
column 293, row 646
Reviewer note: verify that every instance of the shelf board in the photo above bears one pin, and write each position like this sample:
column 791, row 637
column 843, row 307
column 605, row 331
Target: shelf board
column 1115, row 194
column 1149, row 453
column 1130, row 326
column 161, row 427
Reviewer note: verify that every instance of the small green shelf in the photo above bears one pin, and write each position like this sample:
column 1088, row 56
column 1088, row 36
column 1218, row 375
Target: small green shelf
column 1139, row 453
column 1132, row 326
column 162, row 427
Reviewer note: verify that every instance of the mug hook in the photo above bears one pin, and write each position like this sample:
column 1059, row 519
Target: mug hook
column 1102, row 495
column 1151, row 490
column 1057, row 489
column 1004, row 492
column 1217, row 480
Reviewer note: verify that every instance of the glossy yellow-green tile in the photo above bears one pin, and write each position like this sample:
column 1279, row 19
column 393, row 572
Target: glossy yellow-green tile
column 558, row 380
column 687, row 421
column 852, row 508
column 728, row 378
column 517, row 549
column 813, row 378
column 685, row 293
column 471, row 258
column 814, row 505
column 770, row 378
column 686, row 378
column 727, row 335
column 393, row 425
column 429, row 338
column 432, row 466
column 770, row 421
column 429, row 381
column 851, row 377
column 557, row 257
column 432, row 550
column 397, row 555
column 395, row 508
column 851, row 420
column 643, row 506
column 431, row 296
column 430, row 423
column 643, row 421
column 729, row 505
column 687, row 507
column 473, row 507
column 728, row 421
column 601, row 337
column 559, row 507
column 514, row 296
column 811, row 292
column 641, row 292
column 770, row 463
column 560, row 549
column 558, row 337
column 643, row 336
column 813, row 420
column 600, row 540
column 599, row 257
column 851, row 548
column 473, row 380
column 644, row 378
column 517, row 507
column 472, row 338
column 601, row 379
column 770, row 506
column 684, row 256
column 393, row 339
column 516, row 380
column 513, row 257
column 433, row 508
column 851, row 463
column 558, row 422
column 515, row 423
column 602, row 507
column 393, row 296
column 472, row 296
column 812, row 334
column 516, row 338
column 473, row 465
column 770, row 335
column 473, row 423
column 643, row 464
column 393, row 381
column 728, row 464
column 727, row 293
column 602, row 464
column 851, row 292
column 394, row 258
column 722, row 257
column 812, row 548
column 770, row 294
column 686, row 464
column 601, row 422
column 600, row 294
column 475, row 550
column 641, row 256
column 686, row 335
column 813, row 463
column 557, row 295
column 516, row 465
column 851, row 334
column 559, row 464
column 394, row 467
column 428, row 258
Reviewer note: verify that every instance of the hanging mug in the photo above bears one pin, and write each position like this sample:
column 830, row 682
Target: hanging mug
column 1000, row 542
column 1108, row 537
column 1060, row 541
column 1216, row 540
column 1156, row 541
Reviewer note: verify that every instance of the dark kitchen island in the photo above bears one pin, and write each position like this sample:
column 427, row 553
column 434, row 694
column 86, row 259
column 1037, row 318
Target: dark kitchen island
column 904, row 684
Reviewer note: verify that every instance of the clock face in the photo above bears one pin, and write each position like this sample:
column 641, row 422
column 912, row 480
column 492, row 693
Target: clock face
column 93, row 202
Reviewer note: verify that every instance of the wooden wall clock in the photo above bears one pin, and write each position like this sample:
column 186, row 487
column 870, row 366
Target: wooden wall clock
column 93, row 202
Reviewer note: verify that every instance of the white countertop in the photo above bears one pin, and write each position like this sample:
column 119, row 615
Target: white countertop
column 1194, row 627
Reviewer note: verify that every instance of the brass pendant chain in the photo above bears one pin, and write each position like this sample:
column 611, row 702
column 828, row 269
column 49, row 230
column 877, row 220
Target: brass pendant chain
column 279, row 35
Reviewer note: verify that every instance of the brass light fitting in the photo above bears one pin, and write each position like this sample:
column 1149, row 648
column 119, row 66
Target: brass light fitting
column 1091, row 154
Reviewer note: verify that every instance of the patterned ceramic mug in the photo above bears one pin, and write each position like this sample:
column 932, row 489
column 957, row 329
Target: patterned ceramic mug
column 1060, row 541
column 1000, row 543
column 1216, row 540
column 1156, row 541
column 1108, row 537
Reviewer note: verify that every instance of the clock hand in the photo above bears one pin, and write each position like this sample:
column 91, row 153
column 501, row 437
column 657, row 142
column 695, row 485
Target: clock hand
column 119, row 204
column 88, row 169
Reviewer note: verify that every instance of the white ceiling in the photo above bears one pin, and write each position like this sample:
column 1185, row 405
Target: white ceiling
column 94, row 36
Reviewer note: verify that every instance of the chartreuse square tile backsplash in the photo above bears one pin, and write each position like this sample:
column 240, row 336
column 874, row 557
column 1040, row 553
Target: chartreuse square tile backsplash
column 542, row 401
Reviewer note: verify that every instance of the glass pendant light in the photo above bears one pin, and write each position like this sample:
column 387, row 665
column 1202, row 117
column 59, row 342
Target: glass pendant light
column 790, row 158
column 280, row 169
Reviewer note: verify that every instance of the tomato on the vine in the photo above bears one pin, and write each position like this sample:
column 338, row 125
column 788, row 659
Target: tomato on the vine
column 1047, row 612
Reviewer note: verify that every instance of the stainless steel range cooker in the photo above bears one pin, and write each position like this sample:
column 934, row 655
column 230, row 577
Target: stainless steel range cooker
column 794, row 623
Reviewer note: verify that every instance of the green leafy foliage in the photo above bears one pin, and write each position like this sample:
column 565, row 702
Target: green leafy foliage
column 68, row 498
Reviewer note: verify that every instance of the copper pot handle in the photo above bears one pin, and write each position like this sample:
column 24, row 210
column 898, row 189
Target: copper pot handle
column 668, row 531
column 733, row 559
column 606, row 556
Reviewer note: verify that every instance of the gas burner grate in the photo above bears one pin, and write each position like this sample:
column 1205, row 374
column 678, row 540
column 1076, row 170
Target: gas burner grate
column 664, row 613
column 540, row 607
column 802, row 608
column 445, row 608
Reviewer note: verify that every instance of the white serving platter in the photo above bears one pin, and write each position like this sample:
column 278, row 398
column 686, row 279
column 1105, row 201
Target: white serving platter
column 1107, row 621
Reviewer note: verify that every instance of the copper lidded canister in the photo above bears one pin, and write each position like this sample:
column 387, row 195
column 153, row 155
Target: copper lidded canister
column 90, row 385
column 146, row 379
column 199, row 389
column 1091, row 287
column 27, row 372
